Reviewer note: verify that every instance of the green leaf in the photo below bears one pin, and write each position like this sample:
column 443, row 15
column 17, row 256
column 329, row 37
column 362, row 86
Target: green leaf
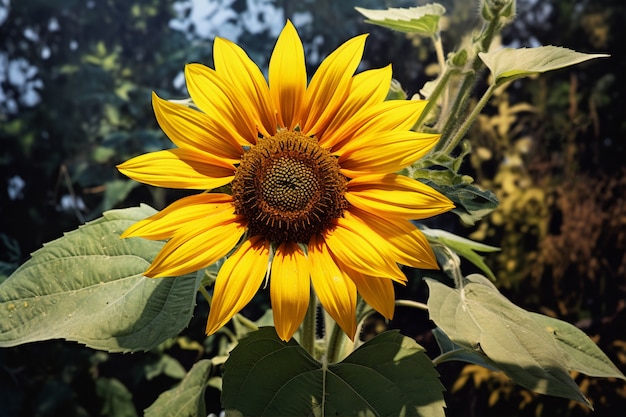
column 471, row 203
column 165, row 365
column 294, row 384
column 88, row 287
column 117, row 400
column 450, row 351
column 508, row 64
column 462, row 246
column 423, row 19
column 582, row 354
column 479, row 318
column 187, row 398
column 441, row 171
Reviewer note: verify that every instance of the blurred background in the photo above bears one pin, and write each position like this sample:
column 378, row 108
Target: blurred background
column 75, row 83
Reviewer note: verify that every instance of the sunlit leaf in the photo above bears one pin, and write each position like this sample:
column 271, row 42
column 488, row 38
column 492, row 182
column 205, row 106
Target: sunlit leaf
column 389, row 375
column 88, row 287
column 423, row 19
column 508, row 64
column 583, row 355
column 187, row 398
column 481, row 319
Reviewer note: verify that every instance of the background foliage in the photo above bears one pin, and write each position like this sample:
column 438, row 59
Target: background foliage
column 76, row 79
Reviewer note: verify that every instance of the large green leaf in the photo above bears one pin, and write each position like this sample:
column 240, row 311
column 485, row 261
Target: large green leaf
column 389, row 375
column 583, row 355
column 187, row 398
column 479, row 318
column 423, row 19
column 508, row 64
column 88, row 287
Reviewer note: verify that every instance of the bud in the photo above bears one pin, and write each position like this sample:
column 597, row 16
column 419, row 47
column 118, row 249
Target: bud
column 395, row 91
column 458, row 59
column 493, row 9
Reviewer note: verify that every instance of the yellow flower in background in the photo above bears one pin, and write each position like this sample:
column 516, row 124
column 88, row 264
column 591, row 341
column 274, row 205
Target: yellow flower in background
column 314, row 194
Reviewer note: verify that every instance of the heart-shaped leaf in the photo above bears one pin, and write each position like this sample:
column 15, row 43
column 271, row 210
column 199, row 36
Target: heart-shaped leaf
column 388, row 375
column 87, row 286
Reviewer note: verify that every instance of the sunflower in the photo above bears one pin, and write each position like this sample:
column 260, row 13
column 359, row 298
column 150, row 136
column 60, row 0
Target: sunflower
column 313, row 195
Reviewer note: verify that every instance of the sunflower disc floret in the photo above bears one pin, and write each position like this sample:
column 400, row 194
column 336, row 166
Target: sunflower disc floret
column 289, row 188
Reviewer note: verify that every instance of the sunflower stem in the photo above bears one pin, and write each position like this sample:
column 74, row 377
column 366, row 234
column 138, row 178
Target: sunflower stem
column 334, row 343
column 309, row 326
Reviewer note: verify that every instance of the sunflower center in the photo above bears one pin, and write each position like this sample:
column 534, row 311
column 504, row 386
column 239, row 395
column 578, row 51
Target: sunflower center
column 289, row 188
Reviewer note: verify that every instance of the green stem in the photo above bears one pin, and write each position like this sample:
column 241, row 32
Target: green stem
column 439, row 51
column 453, row 141
column 309, row 325
column 412, row 304
column 481, row 44
column 205, row 294
column 334, row 343
column 458, row 108
column 246, row 322
column 432, row 100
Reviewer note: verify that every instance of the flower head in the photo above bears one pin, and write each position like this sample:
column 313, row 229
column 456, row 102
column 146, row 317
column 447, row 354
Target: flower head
column 314, row 194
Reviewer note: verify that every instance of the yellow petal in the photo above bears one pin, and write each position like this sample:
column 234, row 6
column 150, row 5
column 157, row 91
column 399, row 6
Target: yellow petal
column 180, row 213
column 330, row 86
column 335, row 290
column 287, row 76
column 217, row 97
column 381, row 153
column 396, row 195
column 407, row 244
column 358, row 247
column 234, row 65
column 238, row 281
column 377, row 292
column 391, row 115
column 290, row 288
column 179, row 168
column 190, row 128
column 198, row 245
column 367, row 88
column 394, row 114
